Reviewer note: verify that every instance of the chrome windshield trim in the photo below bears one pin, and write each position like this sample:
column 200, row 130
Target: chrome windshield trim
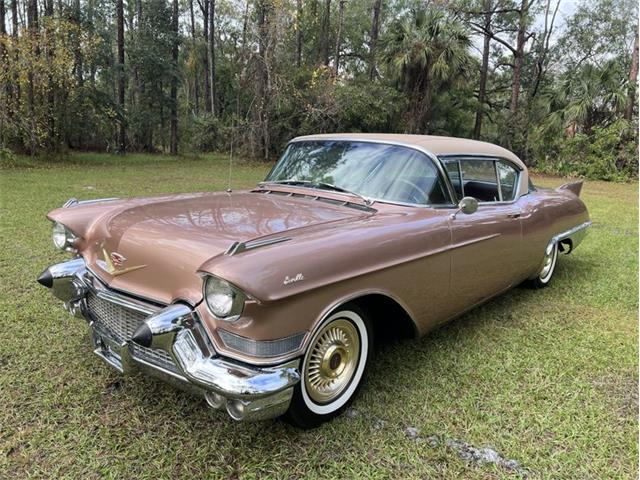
column 428, row 153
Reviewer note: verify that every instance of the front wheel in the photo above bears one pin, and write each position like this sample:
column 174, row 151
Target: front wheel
column 548, row 267
column 333, row 368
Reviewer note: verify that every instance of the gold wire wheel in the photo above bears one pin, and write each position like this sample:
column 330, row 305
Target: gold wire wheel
column 333, row 359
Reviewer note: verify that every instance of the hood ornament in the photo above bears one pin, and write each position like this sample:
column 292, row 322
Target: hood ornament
column 113, row 264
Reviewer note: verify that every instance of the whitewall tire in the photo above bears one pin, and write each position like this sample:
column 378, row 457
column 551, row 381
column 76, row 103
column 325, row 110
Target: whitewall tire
column 548, row 266
column 332, row 368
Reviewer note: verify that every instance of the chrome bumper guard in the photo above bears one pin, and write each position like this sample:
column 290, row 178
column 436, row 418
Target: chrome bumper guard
column 247, row 392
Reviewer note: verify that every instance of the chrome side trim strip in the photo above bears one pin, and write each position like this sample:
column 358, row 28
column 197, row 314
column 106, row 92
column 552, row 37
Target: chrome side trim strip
column 72, row 202
column 472, row 241
column 571, row 231
column 239, row 247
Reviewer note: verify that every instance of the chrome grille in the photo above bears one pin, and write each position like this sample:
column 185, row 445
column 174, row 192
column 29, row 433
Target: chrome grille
column 121, row 323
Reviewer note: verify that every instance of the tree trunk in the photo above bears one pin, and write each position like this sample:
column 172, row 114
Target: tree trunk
column 324, row 33
column 264, row 12
column 373, row 45
column 3, row 32
column 14, row 18
column 122, row 134
column 78, row 48
column 205, row 33
column 211, row 54
column 484, row 72
column 541, row 61
column 339, row 34
column 174, row 81
column 196, row 89
column 518, row 57
column 3, row 59
column 51, row 88
column 32, row 25
column 298, row 33
column 14, row 33
column 633, row 80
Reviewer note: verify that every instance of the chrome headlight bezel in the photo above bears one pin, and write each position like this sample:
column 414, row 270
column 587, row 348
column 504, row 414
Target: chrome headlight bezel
column 63, row 238
column 235, row 298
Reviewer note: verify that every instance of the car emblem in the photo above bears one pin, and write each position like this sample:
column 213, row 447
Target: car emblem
column 288, row 280
column 113, row 264
column 117, row 259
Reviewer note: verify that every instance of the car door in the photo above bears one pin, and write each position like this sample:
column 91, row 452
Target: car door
column 486, row 254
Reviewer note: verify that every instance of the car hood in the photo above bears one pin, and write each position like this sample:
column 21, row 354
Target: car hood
column 164, row 241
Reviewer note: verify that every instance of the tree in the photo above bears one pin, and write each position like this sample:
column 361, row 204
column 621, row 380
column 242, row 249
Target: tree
column 373, row 42
column 324, row 33
column 633, row 80
column 339, row 34
column 122, row 132
column 298, row 33
column 484, row 68
column 426, row 49
column 211, row 55
column 174, row 81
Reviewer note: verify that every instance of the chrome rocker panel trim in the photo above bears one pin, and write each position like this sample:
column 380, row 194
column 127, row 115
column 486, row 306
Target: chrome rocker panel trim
column 248, row 392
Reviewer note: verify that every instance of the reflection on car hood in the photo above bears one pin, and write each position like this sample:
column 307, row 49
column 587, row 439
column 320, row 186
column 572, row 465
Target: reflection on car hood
column 172, row 236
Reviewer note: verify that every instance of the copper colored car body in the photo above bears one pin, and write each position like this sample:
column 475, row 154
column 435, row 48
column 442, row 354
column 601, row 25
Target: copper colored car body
column 292, row 255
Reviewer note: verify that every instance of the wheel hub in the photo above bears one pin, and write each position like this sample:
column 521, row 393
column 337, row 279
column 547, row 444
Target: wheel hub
column 332, row 362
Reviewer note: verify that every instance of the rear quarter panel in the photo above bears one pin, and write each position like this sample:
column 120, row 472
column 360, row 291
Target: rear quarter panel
column 546, row 213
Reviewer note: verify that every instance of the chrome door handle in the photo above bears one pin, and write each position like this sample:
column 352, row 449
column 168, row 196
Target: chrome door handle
column 514, row 215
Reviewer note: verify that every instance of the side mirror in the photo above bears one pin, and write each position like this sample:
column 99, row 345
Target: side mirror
column 467, row 205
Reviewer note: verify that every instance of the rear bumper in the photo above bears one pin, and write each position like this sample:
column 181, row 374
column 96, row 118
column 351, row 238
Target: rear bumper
column 178, row 350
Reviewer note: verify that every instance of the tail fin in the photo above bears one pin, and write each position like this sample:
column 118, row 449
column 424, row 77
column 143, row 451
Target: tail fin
column 574, row 187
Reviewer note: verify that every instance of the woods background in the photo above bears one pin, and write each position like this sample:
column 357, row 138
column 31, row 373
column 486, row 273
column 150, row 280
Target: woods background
column 555, row 82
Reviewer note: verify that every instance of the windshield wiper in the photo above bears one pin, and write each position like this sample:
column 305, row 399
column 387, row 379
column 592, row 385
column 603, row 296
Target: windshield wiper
column 322, row 186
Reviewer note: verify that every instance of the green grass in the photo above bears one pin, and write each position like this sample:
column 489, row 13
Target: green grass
column 548, row 378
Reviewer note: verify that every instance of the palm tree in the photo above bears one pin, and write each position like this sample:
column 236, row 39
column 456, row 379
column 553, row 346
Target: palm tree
column 595, row 95
column 426, row 51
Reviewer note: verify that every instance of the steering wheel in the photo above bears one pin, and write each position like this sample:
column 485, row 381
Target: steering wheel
column 417, row 194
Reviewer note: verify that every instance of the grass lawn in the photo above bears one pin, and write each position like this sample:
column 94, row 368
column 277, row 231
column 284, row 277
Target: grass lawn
column 546, row 378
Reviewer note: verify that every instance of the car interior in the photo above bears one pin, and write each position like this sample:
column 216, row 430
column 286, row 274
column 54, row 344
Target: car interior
column 479, row 179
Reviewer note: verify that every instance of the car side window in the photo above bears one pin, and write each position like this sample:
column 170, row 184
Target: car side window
column 508, row 177
column 453, row 170
column 479, row 180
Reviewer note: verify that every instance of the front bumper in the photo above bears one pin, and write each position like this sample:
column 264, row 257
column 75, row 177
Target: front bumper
column 170, row 343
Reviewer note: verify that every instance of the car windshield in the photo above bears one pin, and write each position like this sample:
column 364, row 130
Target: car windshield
column 371, row 170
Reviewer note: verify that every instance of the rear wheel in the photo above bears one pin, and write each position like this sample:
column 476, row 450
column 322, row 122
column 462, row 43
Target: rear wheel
column 333, row 368
column 548, row 267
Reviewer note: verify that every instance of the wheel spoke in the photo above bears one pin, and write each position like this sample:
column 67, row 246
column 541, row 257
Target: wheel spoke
column 333, row 360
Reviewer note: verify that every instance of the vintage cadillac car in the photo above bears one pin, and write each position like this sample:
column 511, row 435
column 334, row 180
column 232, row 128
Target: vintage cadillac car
column 267, row 301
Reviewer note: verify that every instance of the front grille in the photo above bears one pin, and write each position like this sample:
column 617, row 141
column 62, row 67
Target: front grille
column 121, row 322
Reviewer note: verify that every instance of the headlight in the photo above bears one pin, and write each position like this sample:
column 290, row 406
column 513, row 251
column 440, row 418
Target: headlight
column 63, row 238
column 224, row 300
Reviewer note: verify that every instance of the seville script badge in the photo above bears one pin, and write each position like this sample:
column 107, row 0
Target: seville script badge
column 114, row 263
